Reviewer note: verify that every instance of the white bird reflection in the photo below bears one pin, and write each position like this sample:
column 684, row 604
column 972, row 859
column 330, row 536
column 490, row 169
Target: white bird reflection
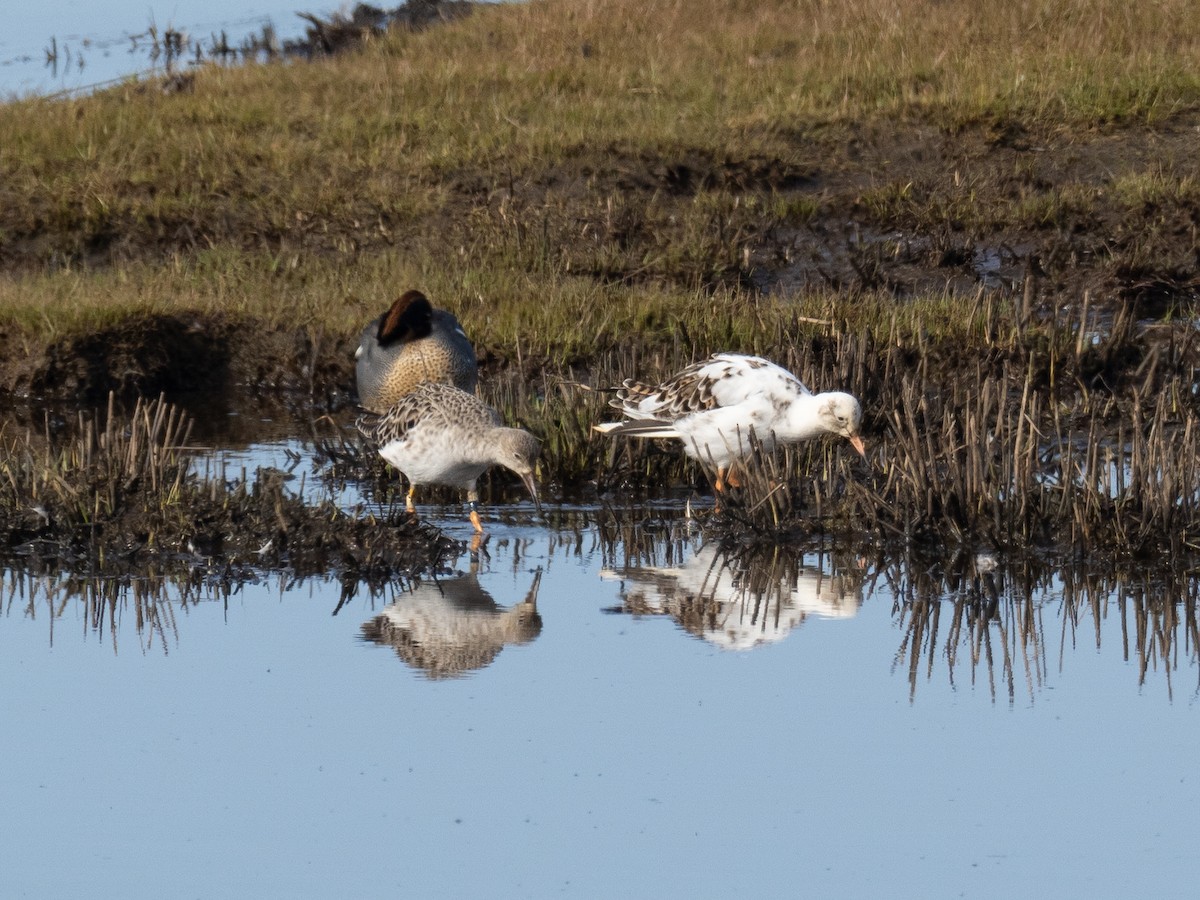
column 738, row 600
column 452, row 626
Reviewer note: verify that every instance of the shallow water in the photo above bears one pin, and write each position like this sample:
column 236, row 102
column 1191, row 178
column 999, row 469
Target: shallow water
column 599, row 703
column 98, row 42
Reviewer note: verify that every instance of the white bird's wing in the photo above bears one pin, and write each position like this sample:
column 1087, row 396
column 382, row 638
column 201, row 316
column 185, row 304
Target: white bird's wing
column 722, row 380
column 736, row 379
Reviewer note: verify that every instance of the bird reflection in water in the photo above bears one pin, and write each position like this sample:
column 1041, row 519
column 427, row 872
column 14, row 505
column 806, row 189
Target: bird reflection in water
column 738, row 599
column 450, row 627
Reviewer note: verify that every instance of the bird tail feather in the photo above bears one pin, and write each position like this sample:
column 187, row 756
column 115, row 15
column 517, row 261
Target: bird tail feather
column 642, row 429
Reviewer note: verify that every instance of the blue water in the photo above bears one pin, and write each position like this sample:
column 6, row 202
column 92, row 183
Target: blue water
column 93, row 37
column 166, row 743
column 791, row 735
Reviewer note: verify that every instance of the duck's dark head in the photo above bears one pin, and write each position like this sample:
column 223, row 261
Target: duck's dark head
column 409, row 319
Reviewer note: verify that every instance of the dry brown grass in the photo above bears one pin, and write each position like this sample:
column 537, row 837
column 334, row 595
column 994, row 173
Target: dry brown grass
column 306, row 193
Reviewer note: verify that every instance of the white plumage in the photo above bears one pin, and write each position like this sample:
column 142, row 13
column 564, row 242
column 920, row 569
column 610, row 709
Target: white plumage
column 737, row 604
column 716, row 405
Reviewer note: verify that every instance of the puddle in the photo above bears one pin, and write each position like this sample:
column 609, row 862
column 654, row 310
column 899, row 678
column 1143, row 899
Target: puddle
column 1003, row 267
column 595, row 686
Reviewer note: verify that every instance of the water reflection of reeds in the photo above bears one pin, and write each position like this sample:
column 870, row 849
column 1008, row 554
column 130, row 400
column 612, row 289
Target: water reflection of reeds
column 996, row 627
column 107, row 607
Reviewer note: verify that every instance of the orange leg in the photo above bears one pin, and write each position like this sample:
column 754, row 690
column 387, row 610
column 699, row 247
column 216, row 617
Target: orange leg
column 726, row 478
column 408, row 500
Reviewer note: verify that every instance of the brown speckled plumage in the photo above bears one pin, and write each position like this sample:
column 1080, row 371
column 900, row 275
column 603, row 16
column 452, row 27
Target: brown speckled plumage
column 452, row 626
column 438, row 434
column 410, row 343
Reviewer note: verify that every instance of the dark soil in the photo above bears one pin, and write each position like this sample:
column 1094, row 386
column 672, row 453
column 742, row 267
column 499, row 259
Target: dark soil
column 182, row 357
column 907, row 211
column 904, row 211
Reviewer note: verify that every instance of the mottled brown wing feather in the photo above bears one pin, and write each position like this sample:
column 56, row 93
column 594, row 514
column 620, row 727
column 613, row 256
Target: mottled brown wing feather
column 687, row 392
column 395, row 423
column 435, row 402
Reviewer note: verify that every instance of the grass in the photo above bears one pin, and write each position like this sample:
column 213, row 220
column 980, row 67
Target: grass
column 532, row 147
column 1027, row 437
column 1050, row 437
column 603, row 189
column 115, row 491
column 95, row 477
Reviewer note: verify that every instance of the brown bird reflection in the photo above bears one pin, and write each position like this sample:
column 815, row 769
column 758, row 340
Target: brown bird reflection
column 452, row 626
column 738, row 600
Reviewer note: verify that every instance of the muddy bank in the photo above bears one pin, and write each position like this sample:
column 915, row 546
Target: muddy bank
column 179, row 356
column 117, row 492
column 1044, row 222
column 1066, row 424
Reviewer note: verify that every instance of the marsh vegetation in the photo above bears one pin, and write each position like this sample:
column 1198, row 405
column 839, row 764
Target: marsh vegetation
column 981, row 221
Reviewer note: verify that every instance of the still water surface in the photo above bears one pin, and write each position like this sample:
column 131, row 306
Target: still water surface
column 100, row 40
column 586, row 711
column 570, row 715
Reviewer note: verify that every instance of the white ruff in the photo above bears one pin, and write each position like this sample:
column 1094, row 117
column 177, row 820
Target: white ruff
column 715, row 406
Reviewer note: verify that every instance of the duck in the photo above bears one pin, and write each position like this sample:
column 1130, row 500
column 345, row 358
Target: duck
column 410, row 343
